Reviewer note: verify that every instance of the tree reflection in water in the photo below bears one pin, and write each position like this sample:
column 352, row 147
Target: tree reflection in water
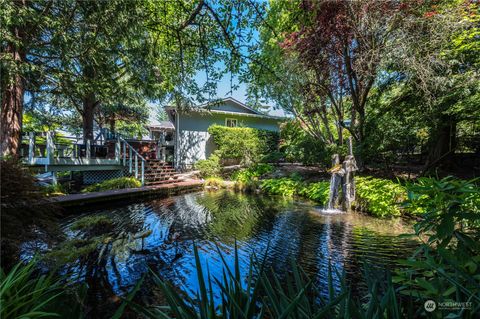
column 158, row 234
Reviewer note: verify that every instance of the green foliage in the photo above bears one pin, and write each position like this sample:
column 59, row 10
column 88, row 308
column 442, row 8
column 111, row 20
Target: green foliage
column 263, row 294
column 90, row 222
column 247, row 145
column 379, row 197
column 281, row 186
column 253, row 172
column 248, row 179
column 450, row 207
column 214, row 182
column 446, row 267
column 299, row 146
column 115, row 183
column 25, row 294
column 54, row 190
column 209, row 167
column 318, row 192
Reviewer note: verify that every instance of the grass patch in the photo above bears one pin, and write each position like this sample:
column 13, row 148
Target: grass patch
column 116, row 183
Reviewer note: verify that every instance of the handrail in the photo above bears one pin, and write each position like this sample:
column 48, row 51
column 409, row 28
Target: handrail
column 131, row 151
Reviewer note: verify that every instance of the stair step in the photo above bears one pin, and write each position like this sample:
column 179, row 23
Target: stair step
column 160, row 171
column 161, row 178
column 161, row 182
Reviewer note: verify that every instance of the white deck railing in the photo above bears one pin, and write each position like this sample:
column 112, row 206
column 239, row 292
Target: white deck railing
column 68, row 153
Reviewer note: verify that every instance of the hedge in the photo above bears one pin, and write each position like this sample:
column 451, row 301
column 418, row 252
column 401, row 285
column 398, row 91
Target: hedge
column 245, row 144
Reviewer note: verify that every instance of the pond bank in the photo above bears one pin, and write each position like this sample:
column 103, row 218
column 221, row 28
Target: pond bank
column 84, row 199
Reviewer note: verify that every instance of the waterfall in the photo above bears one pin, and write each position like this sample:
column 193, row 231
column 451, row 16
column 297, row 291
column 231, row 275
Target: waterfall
column 335, row 181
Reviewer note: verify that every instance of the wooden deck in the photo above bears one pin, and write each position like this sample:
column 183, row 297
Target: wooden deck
column 129, row 193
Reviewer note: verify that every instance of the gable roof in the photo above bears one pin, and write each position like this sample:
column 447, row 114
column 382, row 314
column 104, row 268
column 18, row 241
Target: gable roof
column 249, row 112
column 233, row 101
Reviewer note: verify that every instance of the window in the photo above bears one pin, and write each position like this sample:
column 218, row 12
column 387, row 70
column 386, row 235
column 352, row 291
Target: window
column 231, row 122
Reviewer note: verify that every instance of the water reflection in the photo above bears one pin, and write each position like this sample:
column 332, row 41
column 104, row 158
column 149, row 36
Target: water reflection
column 159, row 234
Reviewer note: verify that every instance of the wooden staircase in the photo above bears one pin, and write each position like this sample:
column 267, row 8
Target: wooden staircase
column 158, row 172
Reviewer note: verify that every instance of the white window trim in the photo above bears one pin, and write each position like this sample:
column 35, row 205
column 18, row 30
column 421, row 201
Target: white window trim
column 231, row 119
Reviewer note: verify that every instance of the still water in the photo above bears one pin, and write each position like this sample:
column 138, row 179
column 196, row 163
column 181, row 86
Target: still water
column 159, row 235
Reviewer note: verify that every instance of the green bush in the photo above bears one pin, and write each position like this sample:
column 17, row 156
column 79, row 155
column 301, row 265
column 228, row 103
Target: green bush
column 293, row 186
column 281, row 186
column 251, row 173
column 115, row 183
column 379, row 197
column 214, row 182
column 446, row 268
column 209, row 167
column 54, row 190
column 318, row 192
column 247, row 145
column 297, row 145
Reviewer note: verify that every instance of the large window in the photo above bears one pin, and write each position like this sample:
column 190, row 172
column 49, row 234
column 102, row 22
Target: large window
column 231, row 122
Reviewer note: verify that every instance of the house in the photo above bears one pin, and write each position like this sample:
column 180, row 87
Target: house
column 184, row 139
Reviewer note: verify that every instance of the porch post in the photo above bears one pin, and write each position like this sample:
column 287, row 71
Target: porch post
column 117, row 150
column 50, row 148
column 136, row 166
column 31, row 147
column 124, row 154
column 164, row 154
column 130, row 160
column 88, row 149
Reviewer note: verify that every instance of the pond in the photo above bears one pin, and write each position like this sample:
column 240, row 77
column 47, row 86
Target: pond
column 159, row 235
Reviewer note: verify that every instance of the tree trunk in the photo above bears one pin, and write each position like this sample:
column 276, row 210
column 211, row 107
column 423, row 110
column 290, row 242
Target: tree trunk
column 112, row 124
column 12, row 98
column 443, row 143
column 89, row 105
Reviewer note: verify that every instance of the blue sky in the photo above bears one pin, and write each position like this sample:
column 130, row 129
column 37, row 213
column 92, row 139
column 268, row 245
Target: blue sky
column 224, row 90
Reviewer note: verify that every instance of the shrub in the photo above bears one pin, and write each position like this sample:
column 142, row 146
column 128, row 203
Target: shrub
column 214, row 182
column 209, row 167
column 54, row 190
column 446, row 267
column 245, row 144
column 281, row 186
column 248, row 174
column 115, row 183
column 379, row 197
column 248, row 179
column 299, row 146
column 318, row 192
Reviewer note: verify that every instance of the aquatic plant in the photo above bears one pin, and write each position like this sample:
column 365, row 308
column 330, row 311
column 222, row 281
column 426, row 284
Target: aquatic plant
column 115, row 183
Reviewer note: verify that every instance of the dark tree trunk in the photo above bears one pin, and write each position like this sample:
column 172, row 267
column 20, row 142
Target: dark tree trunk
column 13, row 88
column 112, row 124
column 443, row 143
column 89, row 105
